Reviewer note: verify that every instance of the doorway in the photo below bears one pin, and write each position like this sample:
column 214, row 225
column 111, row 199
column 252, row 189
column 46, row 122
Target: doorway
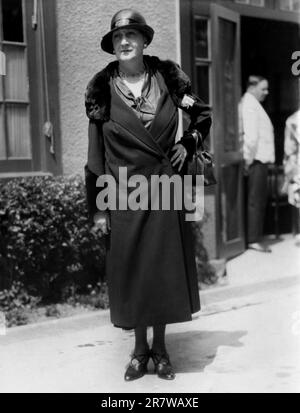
column 266, row 50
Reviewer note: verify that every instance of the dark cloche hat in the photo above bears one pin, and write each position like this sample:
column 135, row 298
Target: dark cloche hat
column 126, row 18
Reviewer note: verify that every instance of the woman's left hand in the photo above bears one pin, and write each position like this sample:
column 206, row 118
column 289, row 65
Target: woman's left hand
column 179, row 156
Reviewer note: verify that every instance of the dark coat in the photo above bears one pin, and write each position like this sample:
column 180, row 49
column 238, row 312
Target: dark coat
column 150, row 259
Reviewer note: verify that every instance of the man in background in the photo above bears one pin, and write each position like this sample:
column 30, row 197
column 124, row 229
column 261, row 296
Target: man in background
column 291, row 164
column 258, row 152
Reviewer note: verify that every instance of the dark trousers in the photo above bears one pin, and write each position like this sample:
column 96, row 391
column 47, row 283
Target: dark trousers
column 257, row 200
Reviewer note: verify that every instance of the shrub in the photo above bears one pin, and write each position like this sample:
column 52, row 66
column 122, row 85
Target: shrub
column 96, row 296
column 46, row 245
column 15, row 302
column 45, row 240
column 206, row 272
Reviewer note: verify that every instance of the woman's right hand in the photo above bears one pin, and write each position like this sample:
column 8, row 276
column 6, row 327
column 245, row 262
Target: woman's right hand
column 101, row 223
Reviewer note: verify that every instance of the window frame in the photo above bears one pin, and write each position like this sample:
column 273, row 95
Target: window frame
column 248, row 3
column 290, row 9
column 271, row 11
column 201, row 61
column 42, row 161
column 11, row 162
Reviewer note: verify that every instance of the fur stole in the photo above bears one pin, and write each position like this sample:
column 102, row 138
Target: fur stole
column 97, row 97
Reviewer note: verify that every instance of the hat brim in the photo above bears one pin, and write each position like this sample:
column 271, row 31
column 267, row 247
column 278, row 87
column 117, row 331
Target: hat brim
column 106, row 42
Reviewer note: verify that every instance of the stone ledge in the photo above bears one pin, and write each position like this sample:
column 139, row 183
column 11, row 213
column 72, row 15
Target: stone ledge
column 12, row 175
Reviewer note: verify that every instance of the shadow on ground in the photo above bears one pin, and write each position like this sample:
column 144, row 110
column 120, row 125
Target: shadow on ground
column 193, row 351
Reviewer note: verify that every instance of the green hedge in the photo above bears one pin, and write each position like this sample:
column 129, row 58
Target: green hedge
column 45, row 240
column 46, row 244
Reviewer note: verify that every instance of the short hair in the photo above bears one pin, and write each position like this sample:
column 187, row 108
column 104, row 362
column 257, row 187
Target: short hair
column 254, row 80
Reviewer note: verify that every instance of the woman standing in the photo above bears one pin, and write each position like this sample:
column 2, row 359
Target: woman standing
column 133, row 105
column 292, row 167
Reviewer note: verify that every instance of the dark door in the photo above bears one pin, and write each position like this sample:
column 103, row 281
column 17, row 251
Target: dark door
column 227, row 147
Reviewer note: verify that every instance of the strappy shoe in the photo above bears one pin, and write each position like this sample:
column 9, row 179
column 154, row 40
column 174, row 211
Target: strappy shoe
column 162, row 365
column 137, row 366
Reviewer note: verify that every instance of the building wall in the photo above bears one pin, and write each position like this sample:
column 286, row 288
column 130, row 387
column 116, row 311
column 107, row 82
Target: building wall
column 81, row 25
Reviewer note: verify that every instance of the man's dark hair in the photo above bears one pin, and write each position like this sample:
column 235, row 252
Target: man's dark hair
column 254, row 80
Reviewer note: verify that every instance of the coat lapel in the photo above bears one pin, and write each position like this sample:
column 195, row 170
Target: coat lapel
column 122, row 114
column 164, row 113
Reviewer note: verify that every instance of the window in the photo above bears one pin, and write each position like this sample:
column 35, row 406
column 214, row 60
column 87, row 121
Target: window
column 30, row 48
column 203, row 57
column 202, row 62
column 257, row 3
column 15, row 142
column 12, row 20
column 290, row 5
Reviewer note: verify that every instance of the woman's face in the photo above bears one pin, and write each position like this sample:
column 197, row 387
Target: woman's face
column 128, row 44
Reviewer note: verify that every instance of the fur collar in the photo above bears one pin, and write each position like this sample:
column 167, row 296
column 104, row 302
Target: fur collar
column 97, row 97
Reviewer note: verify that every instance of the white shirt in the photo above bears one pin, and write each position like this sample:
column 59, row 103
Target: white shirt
column 136, row 87
column 258, row 131
column 292, row 159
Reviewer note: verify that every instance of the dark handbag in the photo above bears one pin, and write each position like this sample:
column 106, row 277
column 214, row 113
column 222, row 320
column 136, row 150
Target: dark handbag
column 201, row 163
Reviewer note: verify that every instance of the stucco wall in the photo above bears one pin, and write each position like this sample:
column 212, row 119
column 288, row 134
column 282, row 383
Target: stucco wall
column 209, row 225
column 81, row 25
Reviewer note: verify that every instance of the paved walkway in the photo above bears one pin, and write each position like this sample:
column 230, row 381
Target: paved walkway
column 255, row 271
column 247, row 338
column 253, row 266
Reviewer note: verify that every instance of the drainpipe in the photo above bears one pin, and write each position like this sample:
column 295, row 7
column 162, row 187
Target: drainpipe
column 38, row 18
